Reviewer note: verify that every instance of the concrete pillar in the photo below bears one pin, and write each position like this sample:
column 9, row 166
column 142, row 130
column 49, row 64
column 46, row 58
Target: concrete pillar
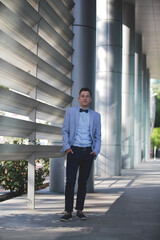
column 108, row 84
column 83, row 75
column 31, row 183
column 128, row 86
column 147, row 130
column 138, row 102
column 32, row 141
column 57, row 175
column 143, row 126
column 83, row 58
column 84, row 43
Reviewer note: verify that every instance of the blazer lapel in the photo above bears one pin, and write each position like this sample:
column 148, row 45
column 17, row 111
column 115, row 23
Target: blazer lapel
column 77, row 118
column 91, row 122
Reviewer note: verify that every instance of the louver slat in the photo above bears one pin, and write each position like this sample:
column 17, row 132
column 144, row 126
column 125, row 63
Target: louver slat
column 13, row 127
column 29, row 38
column 18, row 80
column 61, row 10
column 15, row 152
column 68, row 3
column 28, row 60
column 18, row 104
column 55, row 21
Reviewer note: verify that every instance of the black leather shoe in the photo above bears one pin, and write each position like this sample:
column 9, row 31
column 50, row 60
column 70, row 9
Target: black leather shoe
column 66, row 217
column 81, row 216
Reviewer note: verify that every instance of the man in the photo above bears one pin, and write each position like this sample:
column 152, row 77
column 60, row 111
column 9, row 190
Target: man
column 81, row 141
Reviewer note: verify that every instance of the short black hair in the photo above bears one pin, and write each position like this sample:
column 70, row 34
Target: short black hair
column 86, row 90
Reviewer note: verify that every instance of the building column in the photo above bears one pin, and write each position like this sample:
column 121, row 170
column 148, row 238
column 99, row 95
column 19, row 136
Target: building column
column 57, row 175
column 128, row 86
column 83, row 75
column 143, row 126
column 84, row 43
column 31, row 183
column 32, row 139
column 138, row 103
column 83, row 59
column 108, row 84
column 147, row 134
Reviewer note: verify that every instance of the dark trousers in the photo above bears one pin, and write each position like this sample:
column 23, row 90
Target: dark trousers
column 80, row 159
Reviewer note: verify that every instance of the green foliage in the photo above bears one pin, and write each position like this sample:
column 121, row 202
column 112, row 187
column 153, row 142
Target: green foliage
column 39, row 178
column 157, row 117
column 46, row 166
column 156, row 89
column 14, row 176
column 155, row 138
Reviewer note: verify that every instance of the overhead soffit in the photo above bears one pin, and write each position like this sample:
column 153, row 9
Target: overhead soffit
column 147, row 23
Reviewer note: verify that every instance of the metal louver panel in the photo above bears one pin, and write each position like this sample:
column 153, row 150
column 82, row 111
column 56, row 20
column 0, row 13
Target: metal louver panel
column 21, row 128
column 27, row 60
column 24, row 11
column 54, row 39
column 18, row 104
column 13, row 152
column 35, row 83
column 18, row 80
column 27, row 37
column 55, row 21
column 14, row 25
column 61, row 10
column 68, row 3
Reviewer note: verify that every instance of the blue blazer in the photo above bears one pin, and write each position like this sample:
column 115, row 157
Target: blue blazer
column 70, row 126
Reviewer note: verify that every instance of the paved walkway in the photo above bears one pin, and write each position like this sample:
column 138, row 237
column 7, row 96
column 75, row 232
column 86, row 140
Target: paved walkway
column 122, row 208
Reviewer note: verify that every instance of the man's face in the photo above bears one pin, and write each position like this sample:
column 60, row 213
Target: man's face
column 85, row 99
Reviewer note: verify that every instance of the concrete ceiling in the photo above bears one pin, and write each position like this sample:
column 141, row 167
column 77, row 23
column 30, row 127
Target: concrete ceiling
column 147, row 23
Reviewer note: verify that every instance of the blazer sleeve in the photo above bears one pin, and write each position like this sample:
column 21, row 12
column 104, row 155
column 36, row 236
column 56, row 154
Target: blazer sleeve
column 65, row 131
column 97, row 136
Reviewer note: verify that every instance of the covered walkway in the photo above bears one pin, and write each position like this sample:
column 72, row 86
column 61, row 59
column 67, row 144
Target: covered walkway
column 124, row 207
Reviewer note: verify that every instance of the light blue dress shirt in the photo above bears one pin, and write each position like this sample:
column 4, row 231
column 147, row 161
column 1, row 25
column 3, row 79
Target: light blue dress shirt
column 83, row 136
